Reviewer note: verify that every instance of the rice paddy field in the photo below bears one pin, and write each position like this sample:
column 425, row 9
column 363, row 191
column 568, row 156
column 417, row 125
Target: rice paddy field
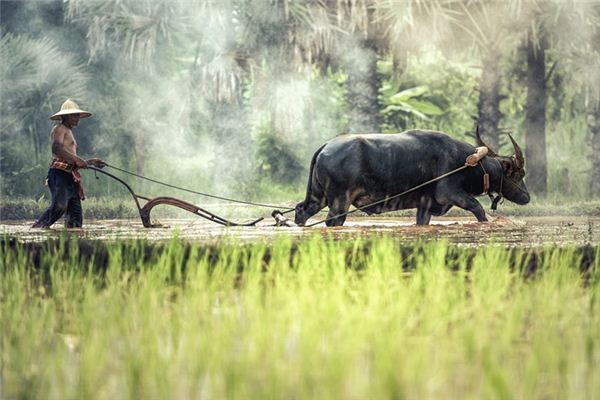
column 319, row 315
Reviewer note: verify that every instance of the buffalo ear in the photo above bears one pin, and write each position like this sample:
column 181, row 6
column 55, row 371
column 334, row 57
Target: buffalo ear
column 507, row 166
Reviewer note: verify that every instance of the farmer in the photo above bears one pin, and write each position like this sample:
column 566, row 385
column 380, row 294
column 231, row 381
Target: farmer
column 63, row 178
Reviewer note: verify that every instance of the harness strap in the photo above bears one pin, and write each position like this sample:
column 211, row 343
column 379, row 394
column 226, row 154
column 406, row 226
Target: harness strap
column 486, row 187
column 496, row 200
column 486, row 180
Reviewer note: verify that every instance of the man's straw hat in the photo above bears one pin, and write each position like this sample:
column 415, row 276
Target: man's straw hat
column 70, row 107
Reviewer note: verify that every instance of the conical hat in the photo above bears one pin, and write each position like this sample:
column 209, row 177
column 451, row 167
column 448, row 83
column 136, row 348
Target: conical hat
column 70, row 107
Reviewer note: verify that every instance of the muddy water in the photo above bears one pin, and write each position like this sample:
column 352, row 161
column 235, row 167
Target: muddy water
column 521, row 231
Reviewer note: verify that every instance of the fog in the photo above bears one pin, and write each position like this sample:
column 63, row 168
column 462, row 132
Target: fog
column 232, row 97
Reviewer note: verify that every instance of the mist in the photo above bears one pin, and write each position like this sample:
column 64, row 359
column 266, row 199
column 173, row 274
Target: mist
column 233, row 97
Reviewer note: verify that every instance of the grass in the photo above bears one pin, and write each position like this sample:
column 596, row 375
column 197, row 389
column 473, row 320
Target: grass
column 369, row 318
column 93, row 208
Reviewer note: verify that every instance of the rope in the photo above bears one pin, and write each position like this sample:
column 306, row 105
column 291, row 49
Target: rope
column 287, row 210
column 389, row 198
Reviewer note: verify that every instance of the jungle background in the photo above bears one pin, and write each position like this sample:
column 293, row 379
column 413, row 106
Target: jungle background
column 233, row 97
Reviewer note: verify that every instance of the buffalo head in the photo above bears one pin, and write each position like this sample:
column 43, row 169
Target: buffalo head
column 513, row 169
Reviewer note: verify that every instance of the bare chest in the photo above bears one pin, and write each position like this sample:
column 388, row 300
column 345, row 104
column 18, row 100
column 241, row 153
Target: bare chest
column 69, row 142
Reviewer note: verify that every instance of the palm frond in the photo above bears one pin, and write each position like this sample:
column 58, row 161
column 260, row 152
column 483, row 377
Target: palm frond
column 41, row 77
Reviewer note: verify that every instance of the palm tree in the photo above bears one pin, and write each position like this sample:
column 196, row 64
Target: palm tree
column 37, row 87
column 535, row 121
column 594, row 127
column 221, row 48
column 140, row 29
column 485, row 27
column 282, row 40
column 41, row 78
column 497, row 28
column 373, row 28
column 141, row 39
column 543, row 25
column 588, row 67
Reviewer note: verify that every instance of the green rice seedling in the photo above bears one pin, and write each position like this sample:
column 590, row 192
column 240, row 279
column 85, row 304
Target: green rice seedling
column 302, row 318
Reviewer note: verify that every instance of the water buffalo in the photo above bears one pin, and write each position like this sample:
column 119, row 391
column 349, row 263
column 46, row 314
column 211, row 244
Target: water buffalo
column 363, row 168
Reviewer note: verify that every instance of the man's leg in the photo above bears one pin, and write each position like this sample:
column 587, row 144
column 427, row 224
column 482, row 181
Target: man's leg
column 59, row 188
column 74, row 216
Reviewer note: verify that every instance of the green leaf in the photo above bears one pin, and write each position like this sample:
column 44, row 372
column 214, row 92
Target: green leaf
column 425, row 107
column 389, row 88
column 404, row 110
column 409, row 93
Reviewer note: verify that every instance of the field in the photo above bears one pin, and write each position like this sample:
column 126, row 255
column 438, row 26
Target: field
column 302, row 313
column 525, row 231
column 243, row 107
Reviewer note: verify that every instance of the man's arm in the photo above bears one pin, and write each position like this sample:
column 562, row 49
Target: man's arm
column 96, row 162
column 58, row 148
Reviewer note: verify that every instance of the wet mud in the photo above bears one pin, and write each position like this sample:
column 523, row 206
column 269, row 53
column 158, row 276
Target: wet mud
column 512, row 232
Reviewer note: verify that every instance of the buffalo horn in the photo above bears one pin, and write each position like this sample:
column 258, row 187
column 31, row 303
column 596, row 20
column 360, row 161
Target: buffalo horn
column 518, row 152
column 480, row 142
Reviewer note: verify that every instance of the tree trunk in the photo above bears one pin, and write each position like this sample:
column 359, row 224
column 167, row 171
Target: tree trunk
column 362, row 89
column 489, row 100
column 535, row 123
column 594, row 125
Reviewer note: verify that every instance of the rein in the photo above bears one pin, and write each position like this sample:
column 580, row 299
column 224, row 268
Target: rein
column 276, row 213
column 286, row 209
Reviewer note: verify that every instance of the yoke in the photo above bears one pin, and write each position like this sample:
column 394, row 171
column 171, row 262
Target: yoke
column 145, row 210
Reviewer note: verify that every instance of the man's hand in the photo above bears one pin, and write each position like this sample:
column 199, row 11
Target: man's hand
column 473, row 159
column 81, row 163
column 96, row 162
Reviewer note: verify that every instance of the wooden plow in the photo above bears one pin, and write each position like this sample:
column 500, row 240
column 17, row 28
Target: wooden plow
column 171, row 201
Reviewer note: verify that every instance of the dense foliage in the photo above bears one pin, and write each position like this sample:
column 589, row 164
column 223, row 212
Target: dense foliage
column 234, row 96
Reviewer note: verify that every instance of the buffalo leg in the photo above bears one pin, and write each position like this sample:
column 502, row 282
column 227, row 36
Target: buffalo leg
column 313, row 208
column 423, row 216
column 315, row 203
column 436, row 211
column 469, row 203
column 337, row 205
